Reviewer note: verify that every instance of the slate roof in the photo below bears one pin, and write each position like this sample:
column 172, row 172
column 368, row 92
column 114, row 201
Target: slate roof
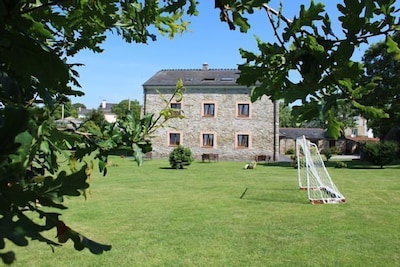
column 194, row 77
column 309, row 133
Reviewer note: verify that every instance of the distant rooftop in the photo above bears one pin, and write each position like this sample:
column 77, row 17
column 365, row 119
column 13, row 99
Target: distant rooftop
column 310, row 133
column 194, row 77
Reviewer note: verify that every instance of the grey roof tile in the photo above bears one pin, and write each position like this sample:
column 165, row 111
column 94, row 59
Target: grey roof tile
column 194, row 77
column 310, row 133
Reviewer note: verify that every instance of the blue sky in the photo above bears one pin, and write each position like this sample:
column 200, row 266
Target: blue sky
column 119, row 72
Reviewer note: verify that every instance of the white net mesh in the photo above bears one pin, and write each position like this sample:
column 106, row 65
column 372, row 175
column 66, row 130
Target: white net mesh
column 313, row 175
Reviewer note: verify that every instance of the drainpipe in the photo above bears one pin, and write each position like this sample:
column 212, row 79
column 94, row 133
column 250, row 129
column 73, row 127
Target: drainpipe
column 276, row 130
column 144, row 102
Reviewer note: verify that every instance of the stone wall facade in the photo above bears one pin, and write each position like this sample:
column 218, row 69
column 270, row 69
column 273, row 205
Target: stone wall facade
column 225, row 125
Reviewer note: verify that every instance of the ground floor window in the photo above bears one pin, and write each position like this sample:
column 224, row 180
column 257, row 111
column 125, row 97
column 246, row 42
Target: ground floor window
column 242, row 140
column 208, row 140
column 174, row 139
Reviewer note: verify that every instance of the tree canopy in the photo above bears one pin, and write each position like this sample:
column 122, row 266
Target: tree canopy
column 127, row 106
column 384, row 68
column 37, row 42
column 308, row 47
column 39, row 38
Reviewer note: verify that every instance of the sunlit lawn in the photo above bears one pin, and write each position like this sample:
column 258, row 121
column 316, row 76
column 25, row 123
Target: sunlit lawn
column 155, row 216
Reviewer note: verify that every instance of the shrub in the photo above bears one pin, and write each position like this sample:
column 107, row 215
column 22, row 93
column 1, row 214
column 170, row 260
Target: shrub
column 180, row 156
column 381, row 153
column 290, row 151
column 340, row 164
column 329, row 152
column 294, row 162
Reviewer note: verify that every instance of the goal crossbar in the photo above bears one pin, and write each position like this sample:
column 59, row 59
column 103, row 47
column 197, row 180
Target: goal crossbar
column 313, row 175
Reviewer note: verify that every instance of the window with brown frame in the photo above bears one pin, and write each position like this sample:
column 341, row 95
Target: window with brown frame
column 174, row 139
column 208, row 109
column 177, row 108
column 242, row 141
column 208, row 140
column 243, row 110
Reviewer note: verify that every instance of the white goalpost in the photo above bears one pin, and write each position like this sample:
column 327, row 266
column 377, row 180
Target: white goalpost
column 313, row 175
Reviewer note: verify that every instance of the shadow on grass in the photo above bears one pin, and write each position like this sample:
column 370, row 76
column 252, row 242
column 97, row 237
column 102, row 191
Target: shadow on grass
column 359, row 164
column 276, row 164
column 351, row 164
column 170, row 168
column 275, row 195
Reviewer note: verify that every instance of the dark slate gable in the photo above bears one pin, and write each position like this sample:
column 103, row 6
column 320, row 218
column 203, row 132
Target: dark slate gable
column 309, row 133
column 194, row 77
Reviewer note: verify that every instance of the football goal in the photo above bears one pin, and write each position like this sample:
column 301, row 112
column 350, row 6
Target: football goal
column 313, row 175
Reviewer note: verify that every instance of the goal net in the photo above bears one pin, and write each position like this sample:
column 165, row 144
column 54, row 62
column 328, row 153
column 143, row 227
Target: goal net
column 313, row 175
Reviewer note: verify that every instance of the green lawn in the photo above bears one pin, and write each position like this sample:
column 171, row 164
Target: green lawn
column 155, row 216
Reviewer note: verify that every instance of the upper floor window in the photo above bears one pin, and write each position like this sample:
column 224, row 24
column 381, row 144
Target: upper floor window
column 208, row 109
column 243, row 110
column 177, row 108
column 208, row 140
column 174, row 138
column 242, row 140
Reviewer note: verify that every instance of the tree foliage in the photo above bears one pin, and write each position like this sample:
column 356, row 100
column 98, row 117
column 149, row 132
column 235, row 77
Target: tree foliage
column 384, row 67
column 64, row 109
column 127, row 106
column 381, row 153
column 37, row 42
column 286, row 118
column 39, row 38
column 307, row 47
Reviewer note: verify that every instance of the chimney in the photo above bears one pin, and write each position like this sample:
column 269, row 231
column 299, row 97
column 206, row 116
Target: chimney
column 205, row 66
column 103, row 104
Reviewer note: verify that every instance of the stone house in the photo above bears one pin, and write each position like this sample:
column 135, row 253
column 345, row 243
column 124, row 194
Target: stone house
column 219, row 118
column 288, row 136
column 348, row 145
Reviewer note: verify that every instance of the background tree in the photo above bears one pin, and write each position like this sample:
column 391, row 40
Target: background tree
column 286, row 118
column 309, row 62
column 292, row 117
column 79, row 105
column 65, row 109
column 126, row 106
column 38, row 40
column 384, row 67
column 381, row 153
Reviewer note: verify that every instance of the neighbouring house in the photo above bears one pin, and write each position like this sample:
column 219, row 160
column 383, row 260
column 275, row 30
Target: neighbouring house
column 360, row 129
column 83, row 113
column 219, row 118
column 104, row 107
column 288, row 136
column 345, row 144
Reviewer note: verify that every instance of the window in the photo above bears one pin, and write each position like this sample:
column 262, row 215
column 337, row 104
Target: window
column 243, row 110
column 208, row 140
column 177, row 110
column 209, row 109
column 242, row 141
column 354, row 132
column 174, row 139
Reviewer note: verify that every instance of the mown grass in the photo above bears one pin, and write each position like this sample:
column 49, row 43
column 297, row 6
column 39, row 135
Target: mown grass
column 156, row 216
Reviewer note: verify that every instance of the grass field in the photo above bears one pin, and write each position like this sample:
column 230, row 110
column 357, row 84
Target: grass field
column 155, row 216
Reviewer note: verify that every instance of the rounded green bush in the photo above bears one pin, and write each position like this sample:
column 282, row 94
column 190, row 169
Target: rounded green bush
column 180, row 156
